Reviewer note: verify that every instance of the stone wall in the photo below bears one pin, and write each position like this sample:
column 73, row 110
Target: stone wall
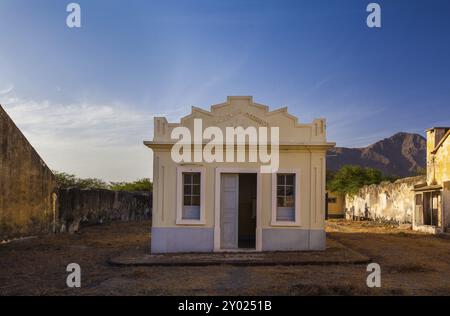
column 31, row 204
column 392, row 202
column 27, row 186
column 78, row 207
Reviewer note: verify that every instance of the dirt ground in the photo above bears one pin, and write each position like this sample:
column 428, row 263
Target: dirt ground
column 411, row 264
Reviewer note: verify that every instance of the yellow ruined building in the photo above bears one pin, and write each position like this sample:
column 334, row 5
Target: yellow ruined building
column 335, row 205
column 432, row 200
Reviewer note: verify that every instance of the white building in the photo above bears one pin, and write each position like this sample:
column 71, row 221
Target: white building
column 223, row 206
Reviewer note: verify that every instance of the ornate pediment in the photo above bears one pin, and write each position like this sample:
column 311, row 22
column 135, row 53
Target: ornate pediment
column 239, row 118
column 243, row 112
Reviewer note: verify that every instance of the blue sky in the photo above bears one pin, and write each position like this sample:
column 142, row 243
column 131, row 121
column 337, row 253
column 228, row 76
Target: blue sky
column 85, row 97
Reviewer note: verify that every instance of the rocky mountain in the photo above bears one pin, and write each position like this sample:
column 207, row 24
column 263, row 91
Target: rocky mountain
column 402, row 155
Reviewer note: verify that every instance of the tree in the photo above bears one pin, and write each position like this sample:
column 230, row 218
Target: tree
column 349, row 179
column 65, row 181
column 139, row 185
column 329, row 177
column 421, row 171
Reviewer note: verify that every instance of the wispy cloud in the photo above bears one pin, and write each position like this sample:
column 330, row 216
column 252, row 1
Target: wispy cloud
column 90, row 140
column 349, row 115
column 6, row 90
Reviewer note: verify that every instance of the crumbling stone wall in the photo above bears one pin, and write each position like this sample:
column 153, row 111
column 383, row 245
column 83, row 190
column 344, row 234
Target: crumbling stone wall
column 78, row 207
column 27, row 186
column 31, row 204
column 391, row 202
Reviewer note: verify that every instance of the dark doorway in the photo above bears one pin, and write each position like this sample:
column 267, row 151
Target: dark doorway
column 431, row 208
column 247, row 210
column 427, row 209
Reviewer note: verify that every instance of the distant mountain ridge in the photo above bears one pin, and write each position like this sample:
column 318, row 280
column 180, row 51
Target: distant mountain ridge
column 403, row 155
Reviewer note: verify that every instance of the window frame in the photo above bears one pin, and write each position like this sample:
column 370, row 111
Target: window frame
column 332, row 200
column 180, row 196
column 296, row 222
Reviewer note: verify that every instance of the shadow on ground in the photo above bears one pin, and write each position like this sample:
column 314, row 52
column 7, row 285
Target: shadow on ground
column 411, row 264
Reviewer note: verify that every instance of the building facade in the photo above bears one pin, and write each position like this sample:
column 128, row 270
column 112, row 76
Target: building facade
column 335, row 205
column 432, row 198
column 226, row 206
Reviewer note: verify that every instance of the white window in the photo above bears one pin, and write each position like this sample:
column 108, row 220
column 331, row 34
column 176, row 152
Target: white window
column 190, row 196
column 285, row 198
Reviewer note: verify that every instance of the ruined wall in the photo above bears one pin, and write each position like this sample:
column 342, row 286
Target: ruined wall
column 27, row 204
column 387, row 201
column 446, row 204
column 31, row 204
column 78, row 207
column 441, row 165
